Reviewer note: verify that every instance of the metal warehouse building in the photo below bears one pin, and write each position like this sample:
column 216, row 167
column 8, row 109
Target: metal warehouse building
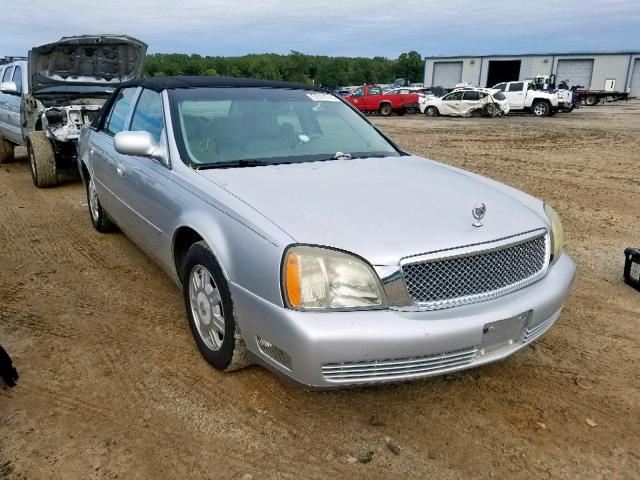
column 612, row 71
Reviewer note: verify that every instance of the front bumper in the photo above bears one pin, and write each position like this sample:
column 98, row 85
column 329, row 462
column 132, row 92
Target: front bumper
column 338, row 349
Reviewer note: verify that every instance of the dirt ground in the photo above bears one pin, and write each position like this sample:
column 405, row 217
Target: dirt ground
column 112, row 386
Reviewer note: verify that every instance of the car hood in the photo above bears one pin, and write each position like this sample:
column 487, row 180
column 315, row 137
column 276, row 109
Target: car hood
column 382, row 209
column 87, row 60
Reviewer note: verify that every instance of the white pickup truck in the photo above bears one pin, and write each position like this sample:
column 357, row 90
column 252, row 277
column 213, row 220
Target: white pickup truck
column 523, row 98
column 46, row 100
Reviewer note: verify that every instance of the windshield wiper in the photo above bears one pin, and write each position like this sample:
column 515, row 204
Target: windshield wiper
column 233, row 164
column 341, row 156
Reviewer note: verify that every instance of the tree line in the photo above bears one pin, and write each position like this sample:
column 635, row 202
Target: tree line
column 330, row 72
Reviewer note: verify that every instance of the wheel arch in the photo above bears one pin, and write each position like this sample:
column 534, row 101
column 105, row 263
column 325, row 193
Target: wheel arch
column 185, row 236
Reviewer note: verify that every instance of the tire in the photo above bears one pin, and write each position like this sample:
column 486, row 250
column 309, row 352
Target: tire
column 6, row 150
column 207, row 299
column 431, row 112
column 590, row 100
column 42, row 160
column 99, row 218
column 385, row 109
column 540, row 109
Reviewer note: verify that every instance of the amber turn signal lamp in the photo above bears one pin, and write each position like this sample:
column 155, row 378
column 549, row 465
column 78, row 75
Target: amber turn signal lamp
column 292, row 280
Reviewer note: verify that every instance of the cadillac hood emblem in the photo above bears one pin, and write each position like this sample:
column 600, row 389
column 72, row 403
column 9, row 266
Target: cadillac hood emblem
column 478, row 213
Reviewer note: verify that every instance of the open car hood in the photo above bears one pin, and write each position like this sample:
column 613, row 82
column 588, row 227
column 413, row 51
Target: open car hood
column 86, row 60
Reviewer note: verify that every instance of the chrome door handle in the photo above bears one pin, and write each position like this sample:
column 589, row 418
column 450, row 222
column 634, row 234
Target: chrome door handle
column 120, row 170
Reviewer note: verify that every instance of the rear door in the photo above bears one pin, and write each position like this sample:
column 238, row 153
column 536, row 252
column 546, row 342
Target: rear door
column 470, row 100
column 106, row 163
column 451, row 104
column 515, row 93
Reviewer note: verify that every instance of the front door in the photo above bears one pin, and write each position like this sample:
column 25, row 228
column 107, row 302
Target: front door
column 451, row 104
column 515, row 93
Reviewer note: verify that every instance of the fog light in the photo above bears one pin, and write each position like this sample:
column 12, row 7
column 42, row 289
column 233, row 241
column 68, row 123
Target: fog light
column 274, row 353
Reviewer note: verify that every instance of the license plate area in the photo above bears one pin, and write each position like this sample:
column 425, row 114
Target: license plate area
column 503, row 333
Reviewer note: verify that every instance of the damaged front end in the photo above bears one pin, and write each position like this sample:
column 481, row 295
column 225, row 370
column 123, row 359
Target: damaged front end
column 61, row 117
column 70, row 80
column 63, row 124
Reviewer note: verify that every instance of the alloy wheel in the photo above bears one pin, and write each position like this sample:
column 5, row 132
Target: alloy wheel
column 206, row 307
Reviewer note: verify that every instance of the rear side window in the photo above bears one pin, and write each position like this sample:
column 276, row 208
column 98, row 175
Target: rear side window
column 115, row 122
column 499, row 96
column 516, row 87
column 17, row 79
column 6, row 77
column 375, row 91
column 471, row 96
column 148, row 115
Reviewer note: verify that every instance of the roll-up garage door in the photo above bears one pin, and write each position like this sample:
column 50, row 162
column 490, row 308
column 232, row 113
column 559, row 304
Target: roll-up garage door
column 635, row 79
column 446, row 74
column 577, row 72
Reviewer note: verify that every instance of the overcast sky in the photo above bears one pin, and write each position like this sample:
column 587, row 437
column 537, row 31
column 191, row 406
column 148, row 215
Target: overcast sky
column 331, row 27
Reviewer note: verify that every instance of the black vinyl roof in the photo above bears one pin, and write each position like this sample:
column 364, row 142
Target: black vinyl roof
column 167, row 83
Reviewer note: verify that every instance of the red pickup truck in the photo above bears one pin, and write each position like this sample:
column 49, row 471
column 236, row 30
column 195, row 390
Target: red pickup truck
column 369, row 98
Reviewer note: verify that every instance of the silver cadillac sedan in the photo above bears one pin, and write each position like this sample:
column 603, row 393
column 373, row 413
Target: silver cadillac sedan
column 307, row 241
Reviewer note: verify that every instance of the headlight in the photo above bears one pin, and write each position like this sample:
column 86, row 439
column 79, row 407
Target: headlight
column 316, row 278
column 557, row 233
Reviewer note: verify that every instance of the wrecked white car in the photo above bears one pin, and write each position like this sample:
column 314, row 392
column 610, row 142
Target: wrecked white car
column 466, row 102
column 45, row 100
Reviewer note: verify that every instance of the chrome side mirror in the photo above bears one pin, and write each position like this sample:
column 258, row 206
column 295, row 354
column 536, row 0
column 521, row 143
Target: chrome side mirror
column 9, row 87
column 140, row 144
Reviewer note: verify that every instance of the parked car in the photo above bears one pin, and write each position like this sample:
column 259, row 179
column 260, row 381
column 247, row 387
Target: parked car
column 46, row 100
column 522, row 97
column 310, row 243
column 370, row 98
column 343, row 92
column 465, row 102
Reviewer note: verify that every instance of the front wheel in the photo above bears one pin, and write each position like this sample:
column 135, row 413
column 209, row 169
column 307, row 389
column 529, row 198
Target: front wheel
column 431, row 112
column 210, row 310
column 44, row 171
column 385, row 109
column 540, row 109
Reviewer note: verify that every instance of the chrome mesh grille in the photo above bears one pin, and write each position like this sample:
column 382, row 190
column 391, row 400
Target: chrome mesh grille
column 479, row 276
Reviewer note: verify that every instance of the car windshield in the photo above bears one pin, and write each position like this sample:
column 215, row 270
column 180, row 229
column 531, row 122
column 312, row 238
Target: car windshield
column 218, row 127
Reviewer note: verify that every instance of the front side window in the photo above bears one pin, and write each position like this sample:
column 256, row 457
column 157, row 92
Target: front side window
column 453, row 97
column 240, row 126
column 119, row 113
column 6, row 77
column 358, row 92
column 501, row 86
column 17, row 79
column 516, row 87
column 148, row 115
